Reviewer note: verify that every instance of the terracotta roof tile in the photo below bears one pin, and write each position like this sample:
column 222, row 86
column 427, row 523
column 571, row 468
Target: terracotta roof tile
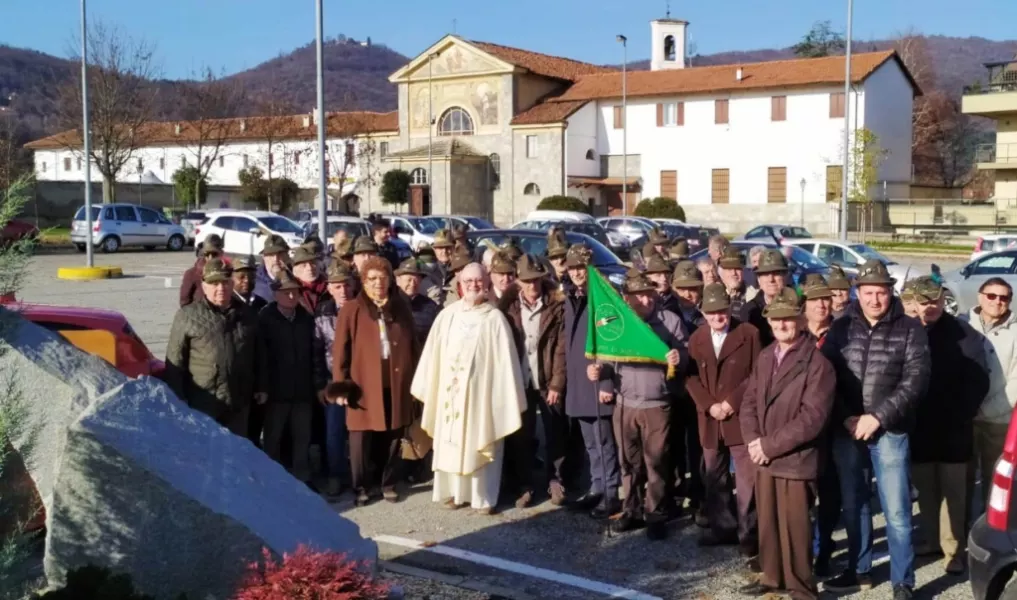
column 548, row 112
column 542, row 64
column 695, row 80
column 255, row 128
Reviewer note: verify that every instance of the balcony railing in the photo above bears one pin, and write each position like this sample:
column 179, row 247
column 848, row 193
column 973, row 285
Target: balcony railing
column 996, row 153
column 1002, row 78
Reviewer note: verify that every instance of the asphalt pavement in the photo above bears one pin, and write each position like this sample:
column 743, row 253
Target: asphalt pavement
column 540, row 552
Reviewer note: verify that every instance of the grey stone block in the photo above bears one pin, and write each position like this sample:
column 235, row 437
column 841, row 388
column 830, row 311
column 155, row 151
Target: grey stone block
column 138, row 482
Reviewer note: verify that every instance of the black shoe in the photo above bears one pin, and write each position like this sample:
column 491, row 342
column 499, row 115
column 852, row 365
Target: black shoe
column 902, row 592
column 711, row 538
column 848, row 583
column 821, row 568
column 605, row 511
column 656, row 530
column 701, row 520
column 362, row 498
column 626, row 523
column 585, row 502
column 756, row 589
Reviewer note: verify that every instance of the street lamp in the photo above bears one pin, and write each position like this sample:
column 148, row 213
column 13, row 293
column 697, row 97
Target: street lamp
column 847, row 125
column 625, row 125
column 430, row 129
column 322, row 175
column 802, row 183
column 86, row 134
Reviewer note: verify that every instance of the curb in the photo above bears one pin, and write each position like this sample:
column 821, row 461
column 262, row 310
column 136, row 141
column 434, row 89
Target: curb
column 89, row 273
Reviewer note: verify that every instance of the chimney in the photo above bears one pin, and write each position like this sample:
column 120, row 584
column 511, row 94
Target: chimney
column 670, row 40
column 314, row 115
column 738, row 74
column 243, row 125
column 307, row 121
column 176, row 129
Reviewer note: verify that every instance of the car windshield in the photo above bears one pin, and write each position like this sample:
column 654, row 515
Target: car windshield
column 806, row 259
column 478, row 223
column 281, row 225
column 800, row 232
column 537, row 244
column 869, row 253
column 80, row 215
column 426, row 225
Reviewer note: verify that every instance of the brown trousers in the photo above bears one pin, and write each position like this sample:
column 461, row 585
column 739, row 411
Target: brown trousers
column 643, row 447
column 943, row 505
column 375, row 458
column 785, row 534
column 718, row 501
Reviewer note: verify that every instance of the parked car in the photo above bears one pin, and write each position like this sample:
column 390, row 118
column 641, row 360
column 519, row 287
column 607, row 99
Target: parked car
column 851, row 255
column 617, row 243
column 961, row 285
column 776, row 232
column 304, row 216
column 558, row 215
column 630, row 227
column 535, row 242
column 992, row 543
column 244, row 232
column 993, row 243
column 17, row 230
column 115, row 226
column 801, row 263
column 693, row 234
column 472, row 223
column 354, row 227
column 190, row 221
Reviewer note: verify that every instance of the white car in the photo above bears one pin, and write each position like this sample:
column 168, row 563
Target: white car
column 559, row 215
column 851, row 255
column 354, row 226
column 244, row 231
column 993, row 243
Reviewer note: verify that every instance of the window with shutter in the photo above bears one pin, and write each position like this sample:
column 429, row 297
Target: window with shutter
column 669, row 184
column 680, row 116
column 776, row 185
column 619, row 118
column 720, row 186
column 660, row 115
column 837, row 105
column 720, row 112
column 778, row 108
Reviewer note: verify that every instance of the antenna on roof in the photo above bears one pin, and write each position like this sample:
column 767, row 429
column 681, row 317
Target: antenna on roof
column 668, row 4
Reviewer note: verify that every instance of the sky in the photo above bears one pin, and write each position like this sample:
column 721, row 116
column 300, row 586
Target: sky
column 233, row 35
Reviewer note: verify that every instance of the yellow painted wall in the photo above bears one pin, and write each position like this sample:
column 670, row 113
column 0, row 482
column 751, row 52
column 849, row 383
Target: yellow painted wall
column 479, row 96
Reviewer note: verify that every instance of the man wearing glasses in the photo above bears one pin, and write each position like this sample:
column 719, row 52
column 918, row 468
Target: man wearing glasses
column 994, row 320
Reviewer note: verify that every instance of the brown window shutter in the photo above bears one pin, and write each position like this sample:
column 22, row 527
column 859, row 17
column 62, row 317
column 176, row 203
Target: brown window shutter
column 660, row 115
column 680, row 117
column 776, row 185
column 720, row 112
column 837, row 105
column 778, row 108
column 617, row 117
column 669, row 184
column 721, row 186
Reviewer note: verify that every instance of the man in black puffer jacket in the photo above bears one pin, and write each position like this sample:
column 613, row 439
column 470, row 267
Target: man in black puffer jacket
column 882, row 361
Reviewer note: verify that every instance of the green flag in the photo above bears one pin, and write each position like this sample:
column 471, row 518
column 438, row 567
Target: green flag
column 616, row 332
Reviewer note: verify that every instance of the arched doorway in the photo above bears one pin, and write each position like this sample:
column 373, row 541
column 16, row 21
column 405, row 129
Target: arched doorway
column 350, row 204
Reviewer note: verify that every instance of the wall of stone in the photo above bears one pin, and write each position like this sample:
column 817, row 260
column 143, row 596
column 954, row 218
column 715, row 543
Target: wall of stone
column 544, row 170
column 820, row 219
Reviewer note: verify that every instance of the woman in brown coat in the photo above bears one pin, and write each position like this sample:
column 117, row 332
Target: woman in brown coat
column 722, row 355
column 784, row 413
column 373, row 360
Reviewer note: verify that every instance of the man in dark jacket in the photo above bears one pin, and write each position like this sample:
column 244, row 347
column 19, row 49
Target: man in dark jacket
column 658, row 271
column 286, row 374
column 943, row 437
column 313, row 286
column 771, row 275
column 340, row 287
column 840, row 286
column 582, row 401
column 381, row 232
column 721, row 357
column 190, row 284
column 212, row 351
column 686, row 451
column 275, row 256
column 731, row 268
column 243, row 283
column 557, row 249
column 882, row 361
column 787, row 402
column 409, row 278
column 535, row 314
column 642, row 422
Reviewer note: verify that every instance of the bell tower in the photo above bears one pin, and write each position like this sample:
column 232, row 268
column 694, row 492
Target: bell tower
column 668, row 37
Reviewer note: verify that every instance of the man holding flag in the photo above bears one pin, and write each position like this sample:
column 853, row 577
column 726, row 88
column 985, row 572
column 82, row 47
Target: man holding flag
column 640, row 350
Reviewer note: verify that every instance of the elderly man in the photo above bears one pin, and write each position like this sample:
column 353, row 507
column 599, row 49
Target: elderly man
column 471, row 385
column 443, row 246
column 658, row 271
column 313, row 286
column 244, row 269
column 535, row 313
column 363, row 249
column 882, row 361
column 212, row 351
column 678, row 251
column 840, row 289
column 686, row 451
column 771, row 273
column 190, row 285
column 409, row 278
column 687, row 283
column 460, row 258
column 656, row 245
column 275, row 256
column 943, row 437
column 787, row 402
column 732, row 274
column 751, row 284
column 642, row 421
column 716, row 246
column 503, row 275
column 721, row 357
column 997, row 323
column 708, row 267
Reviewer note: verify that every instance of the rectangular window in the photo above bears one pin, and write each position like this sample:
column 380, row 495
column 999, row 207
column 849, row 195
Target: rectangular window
column 296, row 158
column 834, row 182
column 680, row 114
column 778, row 108
column 79, row 163
column 667, row 114
column 619, row 118
column 720, row 112
column 837, row 105
column 67, row 163
column 44, row 167
column 720, row 186
column 328, row 167
column 222, row 161
column 162, row 163
column 531, row 146
column 183, row 162
column 776, row 185
column 271, row 160
column 245, row 161
column 141, row 165
column 669, row 184
column 383, row 149
column 351, row 154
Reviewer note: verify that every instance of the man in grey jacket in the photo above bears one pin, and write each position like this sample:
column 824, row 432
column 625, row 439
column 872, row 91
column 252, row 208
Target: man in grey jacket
column 642, row 419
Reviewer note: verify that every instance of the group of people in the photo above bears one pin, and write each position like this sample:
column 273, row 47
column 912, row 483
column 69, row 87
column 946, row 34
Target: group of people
column 779, row 404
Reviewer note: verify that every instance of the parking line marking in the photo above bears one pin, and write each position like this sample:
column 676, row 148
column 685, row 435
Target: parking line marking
column 607, row 589
column 167, row 281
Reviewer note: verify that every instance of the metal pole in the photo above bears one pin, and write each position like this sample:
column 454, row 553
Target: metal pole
column 86, row 139
column 625, row 125
column 322, row 175
column 430, row 127
column 846, row 171
column 803, row 202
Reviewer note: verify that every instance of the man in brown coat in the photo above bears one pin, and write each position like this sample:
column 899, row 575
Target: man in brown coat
column 784, row 413
column 535, row 311
column 721, row 357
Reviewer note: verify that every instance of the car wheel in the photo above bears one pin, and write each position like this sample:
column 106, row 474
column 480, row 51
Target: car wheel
column 111, row 244
column 176, row 243
column 80, row 247
column 950, row 304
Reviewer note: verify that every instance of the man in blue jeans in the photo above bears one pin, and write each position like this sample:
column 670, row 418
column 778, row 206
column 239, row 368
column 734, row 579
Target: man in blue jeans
column 882, row 361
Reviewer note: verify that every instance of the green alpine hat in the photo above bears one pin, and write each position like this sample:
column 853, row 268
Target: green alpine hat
column 245, row 263
column 410, row 266
column 578, row 256
column 657, row 264
column 926, row 289
column 503, row 263
column 731, row 259
column 216, row 270
column 511, row 249
column 687, row 275
column 460, row 258
column 557, row 243
column 443, row 239
column 657, row 236
column 637, row 283
column 771, row 261
column 531, row 268
column 343, row 249
column 814, row 286
column 785, row 306
column 364, row 245
column 303, row 254
column 285, row 282
column 274, row 244
column 838, row 279
column 679, row 249
column 874, row 272
column 715, row 298
column 339, row 273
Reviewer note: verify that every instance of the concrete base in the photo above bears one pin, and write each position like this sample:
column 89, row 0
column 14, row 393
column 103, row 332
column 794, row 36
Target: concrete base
column 89, row 273
column 820, row 219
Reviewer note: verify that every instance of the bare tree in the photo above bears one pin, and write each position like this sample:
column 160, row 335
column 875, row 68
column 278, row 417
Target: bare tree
column 121, row 101
column 913, row 49
column 207, row 106
column 350, row 156
column 11, row 163
column 274, row 123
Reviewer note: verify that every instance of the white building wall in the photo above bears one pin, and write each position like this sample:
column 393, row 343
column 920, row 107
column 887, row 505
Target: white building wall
column 888, row 105
column 581, row 137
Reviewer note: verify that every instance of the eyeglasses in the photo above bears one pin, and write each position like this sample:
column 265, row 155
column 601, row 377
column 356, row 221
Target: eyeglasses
column 1001, row 297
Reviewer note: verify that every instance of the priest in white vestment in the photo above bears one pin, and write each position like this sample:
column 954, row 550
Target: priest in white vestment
column 470, row 383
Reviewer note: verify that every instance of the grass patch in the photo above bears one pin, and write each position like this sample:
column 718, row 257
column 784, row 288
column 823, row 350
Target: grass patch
column 55, row 236
column 920, row 247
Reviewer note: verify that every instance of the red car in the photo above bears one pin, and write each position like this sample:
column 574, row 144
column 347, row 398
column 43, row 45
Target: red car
column 105, row 333
column 16, row 230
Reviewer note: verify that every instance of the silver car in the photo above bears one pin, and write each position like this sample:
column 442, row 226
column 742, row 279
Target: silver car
column 962, row 284
column 121, row 225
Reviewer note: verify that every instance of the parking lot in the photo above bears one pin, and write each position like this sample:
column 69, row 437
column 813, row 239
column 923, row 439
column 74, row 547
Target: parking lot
column 541, row 552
